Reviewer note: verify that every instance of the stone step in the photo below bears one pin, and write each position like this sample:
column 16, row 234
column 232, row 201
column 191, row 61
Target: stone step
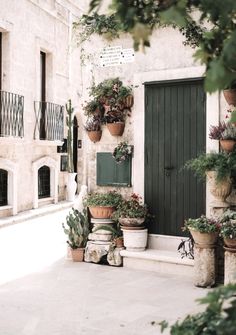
column 164, row 242
column 161, row 261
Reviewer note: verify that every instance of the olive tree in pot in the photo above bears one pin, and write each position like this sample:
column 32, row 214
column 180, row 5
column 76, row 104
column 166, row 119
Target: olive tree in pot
column 71, row 183
column 77, row 230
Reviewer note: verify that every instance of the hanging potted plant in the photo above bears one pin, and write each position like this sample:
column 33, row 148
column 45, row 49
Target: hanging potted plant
column 228, row 229
column 77, row 230
column 217, row 167
column 102, row 205
column 71, row 183
column 122, row 151
column 94, row 129
column 228, row 138
column 203, row 230
column 230, row 94
column 93, row 108
column 131, row 215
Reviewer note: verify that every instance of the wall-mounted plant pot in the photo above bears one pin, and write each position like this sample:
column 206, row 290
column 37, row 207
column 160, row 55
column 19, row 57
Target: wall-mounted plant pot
column 227, row 145
column 230, row 96
column 129, row 101
column 101, row 212
column 94, row 136
column 230, row 243
column 116, row 128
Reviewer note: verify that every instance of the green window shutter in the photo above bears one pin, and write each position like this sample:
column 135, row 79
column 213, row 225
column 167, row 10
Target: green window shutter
column 109, row 173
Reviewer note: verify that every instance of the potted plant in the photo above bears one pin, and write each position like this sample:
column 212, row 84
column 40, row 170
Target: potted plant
column 217, row 167
column 131, row 214
column 93, row 108
column 102, row 205
column 215, row 132
column 228, row 138
column 93, row 127
column 230, row 94
column 228, row 229
column 71, row 183
column 117, row 236
column 117, row 99
column 122, row 151
column 77, row 230
column 203, row 230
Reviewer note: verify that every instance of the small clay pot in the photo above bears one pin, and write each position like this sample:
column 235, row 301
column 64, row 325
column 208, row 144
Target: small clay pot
column 116, row 128
column 230, row 243
column 230, row 96
column 77, row 255
column 227, row 145
column 94, row 136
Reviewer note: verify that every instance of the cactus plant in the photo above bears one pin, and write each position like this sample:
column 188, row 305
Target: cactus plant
column 69, row 123
column 77, row 228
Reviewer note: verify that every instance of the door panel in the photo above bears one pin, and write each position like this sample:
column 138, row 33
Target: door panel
column 175, row 123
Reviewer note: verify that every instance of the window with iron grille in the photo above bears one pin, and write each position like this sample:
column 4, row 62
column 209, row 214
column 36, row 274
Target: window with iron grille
column 3, row 187
column 44, row 182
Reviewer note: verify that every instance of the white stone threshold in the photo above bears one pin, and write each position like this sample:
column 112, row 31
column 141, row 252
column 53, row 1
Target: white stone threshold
column 32, row 213
column 161, row 261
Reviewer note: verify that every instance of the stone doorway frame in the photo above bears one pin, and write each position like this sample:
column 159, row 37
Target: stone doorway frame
column 11, row 169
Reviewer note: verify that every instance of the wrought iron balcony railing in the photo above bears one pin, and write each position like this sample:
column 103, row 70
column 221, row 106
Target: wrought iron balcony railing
column 11, row 114
column 49, row 121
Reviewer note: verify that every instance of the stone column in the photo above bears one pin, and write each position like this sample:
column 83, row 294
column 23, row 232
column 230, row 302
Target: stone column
column 204, row 266
column 230, row 267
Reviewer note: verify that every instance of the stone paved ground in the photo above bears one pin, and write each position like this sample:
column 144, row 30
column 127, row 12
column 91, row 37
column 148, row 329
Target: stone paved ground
column 42, row 293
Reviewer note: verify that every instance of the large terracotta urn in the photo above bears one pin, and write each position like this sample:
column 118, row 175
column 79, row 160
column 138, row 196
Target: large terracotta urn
column 220, row 190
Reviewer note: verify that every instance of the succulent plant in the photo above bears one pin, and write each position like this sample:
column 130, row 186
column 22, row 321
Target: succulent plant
column 229, row 133
column 93, row 124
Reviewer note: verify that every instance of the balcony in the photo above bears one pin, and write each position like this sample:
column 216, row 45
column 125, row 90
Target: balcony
column 49, row 121
column 11, row 115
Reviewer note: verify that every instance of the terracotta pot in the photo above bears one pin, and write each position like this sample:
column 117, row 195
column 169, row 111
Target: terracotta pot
column 77, row 254
column 220, row 190
column 131, row 222
column 119, row 241
column 230, row 243
column 95, row 136
column 101, row 212
column 230, row 96
column 116, row 129
column 227, row 145
column 204, row 239
column 129, row 101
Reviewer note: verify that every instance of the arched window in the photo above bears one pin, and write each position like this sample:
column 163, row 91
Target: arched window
column 3, row 187
column 44, row 182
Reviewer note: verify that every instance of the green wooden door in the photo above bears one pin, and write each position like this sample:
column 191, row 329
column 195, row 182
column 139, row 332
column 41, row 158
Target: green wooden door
column 175, row 131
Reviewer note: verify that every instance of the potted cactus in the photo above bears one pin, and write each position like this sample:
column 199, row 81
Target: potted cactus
column 77, row 230
column 71, row 183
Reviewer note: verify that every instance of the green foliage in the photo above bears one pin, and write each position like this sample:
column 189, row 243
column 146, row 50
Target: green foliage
column 228, row 224
column 122, row 151
column 222, row 163
column 202, row 224
column 92, row 107
column 229, row 133
column 69, row 123
column 232, row 115
column 131, row 208
column 111, row 199
column 77, row 228
column 213, row 34
column 218, row 318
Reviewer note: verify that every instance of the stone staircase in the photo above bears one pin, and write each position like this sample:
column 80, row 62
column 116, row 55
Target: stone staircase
column 161, row 256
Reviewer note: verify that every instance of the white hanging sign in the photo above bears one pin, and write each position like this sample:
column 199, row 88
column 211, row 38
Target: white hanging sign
column 113, row 56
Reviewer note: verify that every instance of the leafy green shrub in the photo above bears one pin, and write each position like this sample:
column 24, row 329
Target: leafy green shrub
column 77, row 228
column 219, row 317
column 202, row 224
column 111, row 199
column 222, row 163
